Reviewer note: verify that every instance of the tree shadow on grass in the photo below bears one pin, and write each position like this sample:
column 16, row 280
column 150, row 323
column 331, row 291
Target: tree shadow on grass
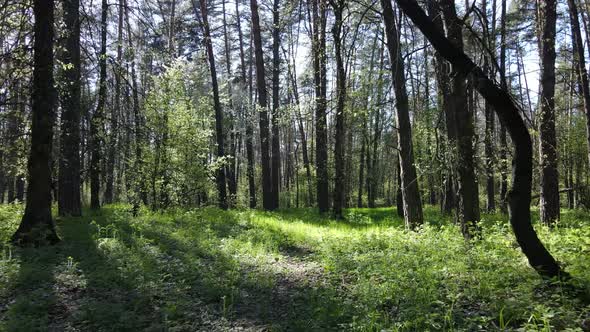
column 31, row 303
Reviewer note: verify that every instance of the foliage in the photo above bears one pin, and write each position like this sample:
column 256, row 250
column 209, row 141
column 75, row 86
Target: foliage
column 178, row 119
column 186, row 270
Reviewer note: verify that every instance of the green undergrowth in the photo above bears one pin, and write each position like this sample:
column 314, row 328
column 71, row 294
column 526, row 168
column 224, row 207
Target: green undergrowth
column 206, row 269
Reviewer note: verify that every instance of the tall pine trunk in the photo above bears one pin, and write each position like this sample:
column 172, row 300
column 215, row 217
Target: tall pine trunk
column 339, row 163
column 37, row 227
column 276, row 144
column 549, row 201
column 69, row 202
column 96, row 125
column 267, row 195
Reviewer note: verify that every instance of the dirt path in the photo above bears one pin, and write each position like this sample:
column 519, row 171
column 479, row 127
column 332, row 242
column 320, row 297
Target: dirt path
column 294, row 274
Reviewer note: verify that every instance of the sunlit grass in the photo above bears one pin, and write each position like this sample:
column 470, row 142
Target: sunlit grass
column 206, row 269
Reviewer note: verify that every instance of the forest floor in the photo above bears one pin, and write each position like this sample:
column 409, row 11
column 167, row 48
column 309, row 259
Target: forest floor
column 291, row 270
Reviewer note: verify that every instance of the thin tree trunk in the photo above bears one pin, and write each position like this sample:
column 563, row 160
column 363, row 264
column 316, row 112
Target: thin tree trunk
column 409, row 184
column 69, row 202
column 581, row 65
column 276, row 144
column 339, row 161
column 96, row 125
column 249, row 130
column 549, row 201
column 267, row 195
column 465, row 131
column 220, row 172
column 319, row 67
column 503, row 143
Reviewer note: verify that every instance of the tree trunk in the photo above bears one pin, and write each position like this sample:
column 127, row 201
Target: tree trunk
column 37, row 227
column 267, row 195
column 581, row 64
column 319, row 68
column 220, row 172
column 276, row 144
column 503, row 143
column 231, row 173
column 339, row 161
column 96, row 125
column 519, row 197
column 69, row 202
column 139, row 177
column 448, row 201
column 465, row 131
column 549, row 202
column 249, row 130
column 409, row 184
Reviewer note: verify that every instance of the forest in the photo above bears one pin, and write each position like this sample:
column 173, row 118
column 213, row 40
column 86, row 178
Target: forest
column 294, row 165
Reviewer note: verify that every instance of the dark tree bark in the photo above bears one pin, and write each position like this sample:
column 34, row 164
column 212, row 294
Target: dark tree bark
column 231, row 173
column 69, row 202
column 220, row 172
column 549, row 202
column 489, row 124
column 503, row 143
column 96, row 125
column 339, row 163
column 465, row 131
column 581, row 64
column 140, row 184
column 519, row 197
column 409, row 184
column 319, row 68
column 276, row 67
column 109, row 192
column 37, row 227
column 448, row 201
column 249, row 130
column 267, row 195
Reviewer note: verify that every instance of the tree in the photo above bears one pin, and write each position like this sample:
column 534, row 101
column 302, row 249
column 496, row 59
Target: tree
column 519, row 197
column 580, row 60
column 69, row 162
column 339, row 176
column 464, row 126
column 220, row 172
column 410, row 191
column 549, row 202
column 276, row 68
column 267, row 195
column 37, row 225
column 321, row 124
column 96, row 125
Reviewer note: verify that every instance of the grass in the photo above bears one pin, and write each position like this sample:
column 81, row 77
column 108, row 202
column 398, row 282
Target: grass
column 206, row 269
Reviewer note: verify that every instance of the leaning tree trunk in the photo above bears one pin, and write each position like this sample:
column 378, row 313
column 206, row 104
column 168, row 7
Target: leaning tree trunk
column 409, row 184
column 549, row 202
column 37, row 225
column 519, row 197
column 267, row 198
column 220, row 172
